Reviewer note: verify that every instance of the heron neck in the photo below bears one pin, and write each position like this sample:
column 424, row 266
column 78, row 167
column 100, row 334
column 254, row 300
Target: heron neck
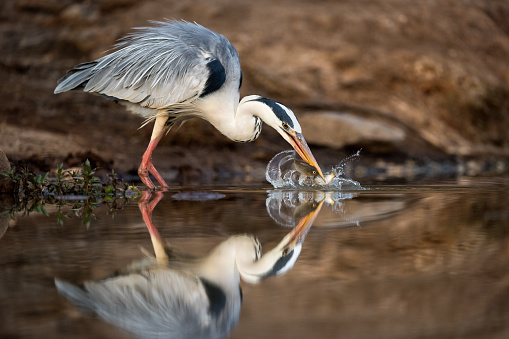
column 254, row 271
column 236, row 257
column 239, row 122
column 220, row 265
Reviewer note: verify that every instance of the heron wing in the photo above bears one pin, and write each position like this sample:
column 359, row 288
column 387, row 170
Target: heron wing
column 153, row 304
column 173, row 62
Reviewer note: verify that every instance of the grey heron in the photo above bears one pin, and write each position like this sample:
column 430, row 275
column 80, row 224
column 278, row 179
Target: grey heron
column 183, row 297
column 177, row 70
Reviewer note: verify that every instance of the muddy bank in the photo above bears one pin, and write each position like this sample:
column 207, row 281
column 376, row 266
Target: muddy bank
column 414, row 83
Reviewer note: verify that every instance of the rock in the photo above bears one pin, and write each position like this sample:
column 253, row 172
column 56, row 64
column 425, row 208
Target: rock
column 4, row 223
column 5, row 166
column 6, row 185
column 337, row 130
column 6, row 200
column 6, row 204
column 435, row 72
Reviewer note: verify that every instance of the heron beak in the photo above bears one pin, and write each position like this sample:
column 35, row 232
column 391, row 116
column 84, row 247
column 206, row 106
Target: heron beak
column 299, row 232
column 299, row 144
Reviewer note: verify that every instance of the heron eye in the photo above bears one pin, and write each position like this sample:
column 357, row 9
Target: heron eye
column 285, row 125
column 285, row 251
column 314, row 172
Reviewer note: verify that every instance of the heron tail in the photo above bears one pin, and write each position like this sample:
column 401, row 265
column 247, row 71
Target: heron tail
column 77, row 77
column 74, row 294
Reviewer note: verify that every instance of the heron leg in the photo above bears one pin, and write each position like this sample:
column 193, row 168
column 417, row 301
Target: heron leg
column 146, row 165
column 146, row 207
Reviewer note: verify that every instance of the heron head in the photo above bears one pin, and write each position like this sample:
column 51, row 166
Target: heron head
column 275, row 262
column 282, row 257
column 284, row 121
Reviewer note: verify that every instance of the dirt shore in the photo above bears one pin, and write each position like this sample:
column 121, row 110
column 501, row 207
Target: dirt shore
column 422, row 82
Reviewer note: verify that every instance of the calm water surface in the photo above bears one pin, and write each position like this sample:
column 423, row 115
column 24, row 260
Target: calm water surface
column 388, row 262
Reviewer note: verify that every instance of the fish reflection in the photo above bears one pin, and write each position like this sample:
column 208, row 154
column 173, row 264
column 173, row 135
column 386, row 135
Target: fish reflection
column 178, row 296
column 286, row 207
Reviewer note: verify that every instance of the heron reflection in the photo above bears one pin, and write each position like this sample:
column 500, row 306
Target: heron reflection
column 179, row 296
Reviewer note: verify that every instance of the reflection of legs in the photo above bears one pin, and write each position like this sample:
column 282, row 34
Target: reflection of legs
column 146, row 207
column 146, row 165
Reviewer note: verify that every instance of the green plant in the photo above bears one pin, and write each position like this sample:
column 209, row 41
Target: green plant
column 81, row 190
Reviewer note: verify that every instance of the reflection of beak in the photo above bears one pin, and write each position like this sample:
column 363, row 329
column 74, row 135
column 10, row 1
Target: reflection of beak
column 300, row 145
column 299, row 232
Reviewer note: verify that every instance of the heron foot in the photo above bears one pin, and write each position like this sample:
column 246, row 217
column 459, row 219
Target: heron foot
column 147, row 168
column 156, row 175
column 146, row 206
column 144, row 176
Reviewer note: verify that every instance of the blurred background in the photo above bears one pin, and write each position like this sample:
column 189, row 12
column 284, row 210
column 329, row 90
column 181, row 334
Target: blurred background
column 421, row 87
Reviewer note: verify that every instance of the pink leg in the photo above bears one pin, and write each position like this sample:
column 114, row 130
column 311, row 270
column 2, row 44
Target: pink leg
column 146, row 165
column 146, row 207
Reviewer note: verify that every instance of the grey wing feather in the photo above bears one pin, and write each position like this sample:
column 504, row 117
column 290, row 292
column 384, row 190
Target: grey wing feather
column 76, row 77
column 76, row 295
column 157, row 66
column 155, row 301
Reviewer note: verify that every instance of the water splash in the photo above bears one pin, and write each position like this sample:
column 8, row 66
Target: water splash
column 287, row 170
column 287, row 207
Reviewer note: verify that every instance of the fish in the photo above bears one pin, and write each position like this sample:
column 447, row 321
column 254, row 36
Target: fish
column 327, row 176
column 305, row 169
